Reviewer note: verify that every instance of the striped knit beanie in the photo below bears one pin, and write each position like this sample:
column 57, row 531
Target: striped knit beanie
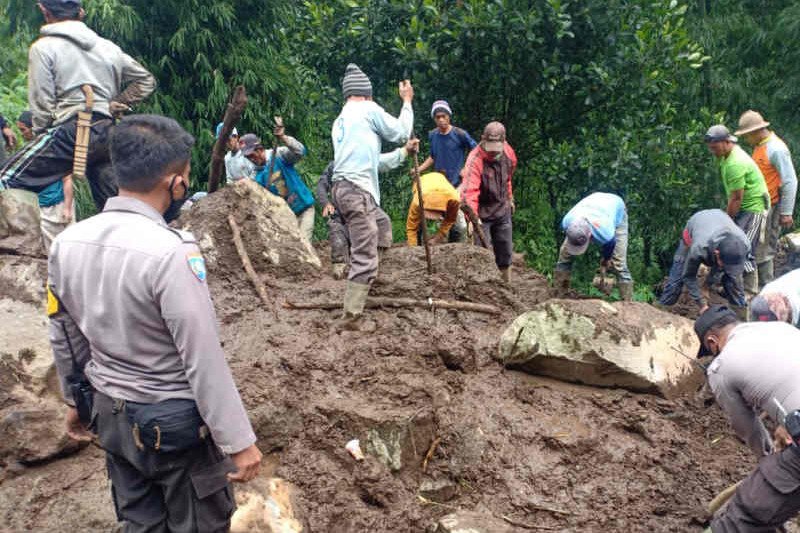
column 441, row 105
column 355, row 82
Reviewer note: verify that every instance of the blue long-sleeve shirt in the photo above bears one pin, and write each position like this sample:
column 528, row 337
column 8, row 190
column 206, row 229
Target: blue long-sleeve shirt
column 604, row 212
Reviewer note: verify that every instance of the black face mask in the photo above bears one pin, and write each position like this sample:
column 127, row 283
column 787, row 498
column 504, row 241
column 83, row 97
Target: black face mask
column 174, row 209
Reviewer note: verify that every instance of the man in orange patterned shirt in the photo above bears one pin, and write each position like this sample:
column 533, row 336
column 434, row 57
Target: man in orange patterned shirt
column 775, row 162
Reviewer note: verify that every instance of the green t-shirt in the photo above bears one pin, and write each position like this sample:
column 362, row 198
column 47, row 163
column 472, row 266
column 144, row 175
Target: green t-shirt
column 739, row 171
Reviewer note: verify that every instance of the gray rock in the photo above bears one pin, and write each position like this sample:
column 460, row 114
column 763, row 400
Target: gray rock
column 438, row 490
column 471, row 522
column 627, row 344
column 20, row 230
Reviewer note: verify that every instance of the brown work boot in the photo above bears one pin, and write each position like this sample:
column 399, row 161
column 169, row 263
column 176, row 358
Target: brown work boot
column 505, row 274
column 625, row 290
column 561, row 281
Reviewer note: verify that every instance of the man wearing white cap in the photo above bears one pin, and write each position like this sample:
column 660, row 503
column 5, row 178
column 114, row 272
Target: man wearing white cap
column 237, row 166
column 601, row 217
column 775, row 162
column 748, row 200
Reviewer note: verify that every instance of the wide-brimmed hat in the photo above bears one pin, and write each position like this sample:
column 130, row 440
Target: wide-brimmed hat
column 751, row 121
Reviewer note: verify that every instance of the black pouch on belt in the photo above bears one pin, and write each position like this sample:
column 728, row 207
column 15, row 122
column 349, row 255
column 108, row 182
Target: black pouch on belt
column 168, row 426
column 83, row 396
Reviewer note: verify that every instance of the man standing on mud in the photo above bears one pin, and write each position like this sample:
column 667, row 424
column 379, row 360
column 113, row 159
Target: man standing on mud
column 757, row 369
column 746, row 191
column 357, row 134
column 67, row 57
column 775, row 162
column 135, row 342
column 487, row 190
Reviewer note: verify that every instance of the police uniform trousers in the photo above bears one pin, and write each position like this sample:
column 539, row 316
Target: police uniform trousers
column 179, row 492
column 766, row 498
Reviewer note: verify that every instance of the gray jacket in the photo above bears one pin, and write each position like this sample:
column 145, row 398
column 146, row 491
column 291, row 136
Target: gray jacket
column 68, row 55
column 758, row 369
column 706, row 229
column 134, row 308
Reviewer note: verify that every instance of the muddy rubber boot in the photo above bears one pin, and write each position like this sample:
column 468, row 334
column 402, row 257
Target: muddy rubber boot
column 625, row 290
column 355, row 297
column 561, row 280
column 505, row 274
column 338, row 270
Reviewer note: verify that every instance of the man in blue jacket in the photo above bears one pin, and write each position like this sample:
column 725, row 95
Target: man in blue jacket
column 284, row 181
column 601, row 217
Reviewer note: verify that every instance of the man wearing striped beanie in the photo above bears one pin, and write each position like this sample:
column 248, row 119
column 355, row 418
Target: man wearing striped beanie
column 357, row 135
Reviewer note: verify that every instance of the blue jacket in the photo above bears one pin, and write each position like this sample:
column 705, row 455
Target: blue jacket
column 286, row 182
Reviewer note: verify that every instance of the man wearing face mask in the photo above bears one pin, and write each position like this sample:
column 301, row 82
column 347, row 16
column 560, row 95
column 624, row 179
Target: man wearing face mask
column 487, row 189
column 135, row 343
column 757, row 369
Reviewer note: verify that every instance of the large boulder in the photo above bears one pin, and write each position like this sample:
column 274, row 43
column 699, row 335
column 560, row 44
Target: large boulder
column 268, row 227
column 627, row 344
column 20, row 231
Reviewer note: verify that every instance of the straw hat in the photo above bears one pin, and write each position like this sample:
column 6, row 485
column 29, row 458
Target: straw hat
column 751, row 121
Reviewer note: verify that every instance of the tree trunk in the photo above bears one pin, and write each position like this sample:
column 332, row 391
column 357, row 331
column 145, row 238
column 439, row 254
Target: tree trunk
column 232, row 115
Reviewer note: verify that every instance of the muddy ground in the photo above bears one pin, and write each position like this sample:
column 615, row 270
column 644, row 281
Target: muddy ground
column 535, row 452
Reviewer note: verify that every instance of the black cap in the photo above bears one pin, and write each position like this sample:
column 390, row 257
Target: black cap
column 713, row 316
column 733, row 253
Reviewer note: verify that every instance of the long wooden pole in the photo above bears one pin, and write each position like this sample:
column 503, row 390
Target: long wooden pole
column 232, row 116
column 423, row 223
column 476, row 224
column 378, row 301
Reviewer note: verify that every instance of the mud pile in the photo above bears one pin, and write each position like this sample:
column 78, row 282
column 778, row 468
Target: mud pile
column 446, row 429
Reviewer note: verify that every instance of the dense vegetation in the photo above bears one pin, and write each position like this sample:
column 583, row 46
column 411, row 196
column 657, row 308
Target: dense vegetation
column 612, row 95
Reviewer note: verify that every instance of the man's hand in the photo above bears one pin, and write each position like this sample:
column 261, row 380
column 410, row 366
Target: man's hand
column 703, row 309
column 10, row 138
column 118, row 109
column 513, row 206
column 248, row 463
column 279, row 131
column 328, row 210
column 786, row 221
column 782, row 438
column 412, row 147
column 75, row 429
column 406, row 91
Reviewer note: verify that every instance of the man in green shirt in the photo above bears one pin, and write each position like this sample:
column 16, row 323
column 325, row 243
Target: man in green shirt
column 746, row 191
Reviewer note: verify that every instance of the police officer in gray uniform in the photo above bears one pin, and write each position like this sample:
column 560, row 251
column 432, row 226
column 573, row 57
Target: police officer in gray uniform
column 132, row 323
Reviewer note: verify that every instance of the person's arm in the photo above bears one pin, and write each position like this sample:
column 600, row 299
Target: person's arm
column 743, row 418
column 735, row 202
column 513, row 157
column 428, row 163
column 188, row 313
column 68, row 197
column 690, row 268
column 413, row 220
column 391, row 160
column 8, row 135
column 467, row 142
column 139, row 83
column 41, row 89
column 471, row 185
column 781, row 159
column 395, row 129
column 292, row 151
column 323, row 186
column 450, row 216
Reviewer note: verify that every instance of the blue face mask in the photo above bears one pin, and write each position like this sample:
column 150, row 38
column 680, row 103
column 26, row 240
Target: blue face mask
column 174, row 209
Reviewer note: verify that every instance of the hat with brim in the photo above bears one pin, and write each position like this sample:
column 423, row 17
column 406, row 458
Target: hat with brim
column 494, row 137
column 249, row 143
column 710, row 318
column 733, row 252
column 751, row 121
column 579, row 235
column 717, row 133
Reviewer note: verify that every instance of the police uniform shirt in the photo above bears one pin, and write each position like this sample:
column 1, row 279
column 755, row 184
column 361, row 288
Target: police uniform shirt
column 129, row 295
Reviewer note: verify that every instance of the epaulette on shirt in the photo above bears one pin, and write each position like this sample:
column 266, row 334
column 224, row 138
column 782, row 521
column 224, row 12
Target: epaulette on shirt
column 185, row 236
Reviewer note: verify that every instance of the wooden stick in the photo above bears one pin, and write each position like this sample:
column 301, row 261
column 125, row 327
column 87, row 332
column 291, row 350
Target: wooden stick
column 431, row 451
column 278, row 123
column 378, row 301
column 418, row 183
column 476, row 224
column 248, row 266
column 232, row 116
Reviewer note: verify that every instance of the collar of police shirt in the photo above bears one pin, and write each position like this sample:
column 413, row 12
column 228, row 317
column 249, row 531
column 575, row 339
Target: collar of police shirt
column 134, row 205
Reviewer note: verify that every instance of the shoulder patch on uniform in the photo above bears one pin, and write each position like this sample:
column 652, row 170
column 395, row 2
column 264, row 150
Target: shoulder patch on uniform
column 52, row 303
column 197, row 265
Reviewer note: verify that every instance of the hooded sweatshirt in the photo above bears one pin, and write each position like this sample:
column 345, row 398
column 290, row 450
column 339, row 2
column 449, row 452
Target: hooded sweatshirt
column 68, row 55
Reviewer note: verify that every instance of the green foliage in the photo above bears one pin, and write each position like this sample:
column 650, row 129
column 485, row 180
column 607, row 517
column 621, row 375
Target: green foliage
column 596, row 96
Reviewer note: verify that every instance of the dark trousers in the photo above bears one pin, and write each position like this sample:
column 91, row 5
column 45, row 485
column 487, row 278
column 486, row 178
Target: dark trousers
column 500, row 236
column 178, row 492
column 338, row 239
column 49, row 157
column 766, row 499
column 734, row 292
column 368, row 226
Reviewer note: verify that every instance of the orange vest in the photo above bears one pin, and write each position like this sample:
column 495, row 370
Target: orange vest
column 771, row 175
